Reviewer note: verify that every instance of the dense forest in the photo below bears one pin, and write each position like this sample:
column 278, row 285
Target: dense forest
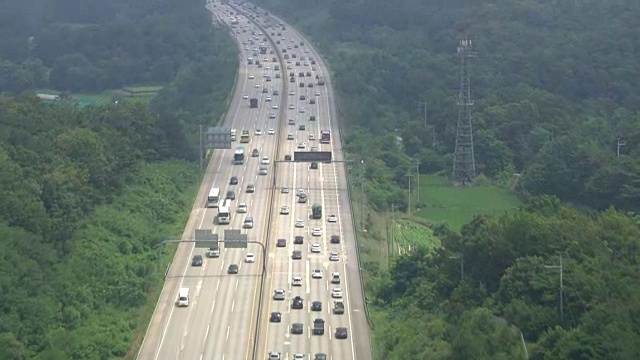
column 556, row 106
column 87, row 192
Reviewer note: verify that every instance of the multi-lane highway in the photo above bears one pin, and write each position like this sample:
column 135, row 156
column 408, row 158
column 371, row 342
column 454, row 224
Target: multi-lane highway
column 229, row 315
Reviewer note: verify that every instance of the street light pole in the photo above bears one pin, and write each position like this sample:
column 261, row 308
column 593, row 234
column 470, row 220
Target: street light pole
column 561, row 270
column 362, row 196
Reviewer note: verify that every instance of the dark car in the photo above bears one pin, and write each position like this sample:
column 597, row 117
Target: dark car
column 234, row 180
column 312, row 118
column 316, row 306
column 341, row 333
column 231, row 195
column 296, row 255
column 297, row 303
column 233, row 269
column 335, row 239
column 297, row 328
column 302, row 127
column 197, row 260
column 302, row 97
column 275, row 317
column 308, row 73
column 314, row 165
column 255, row 153
column 320, row 356
column 281, row 243
column 298, row 240
column 287, row 157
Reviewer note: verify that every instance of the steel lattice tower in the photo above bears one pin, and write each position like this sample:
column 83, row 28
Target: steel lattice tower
column 464, row 163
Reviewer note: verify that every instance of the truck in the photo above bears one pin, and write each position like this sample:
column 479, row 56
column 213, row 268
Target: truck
column 316, row 211
column 318, row 326
column 338, row 307
column 238, row 156
column 253, row 103
column 244, row 137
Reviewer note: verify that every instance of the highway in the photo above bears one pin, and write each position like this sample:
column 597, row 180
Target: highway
column 220, row 321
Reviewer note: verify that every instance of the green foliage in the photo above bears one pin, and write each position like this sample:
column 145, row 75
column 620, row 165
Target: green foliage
column 408, row 235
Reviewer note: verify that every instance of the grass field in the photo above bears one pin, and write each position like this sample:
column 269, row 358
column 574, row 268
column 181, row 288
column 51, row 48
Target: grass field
column 406, row 235
column 131, row 93
column 455, row 206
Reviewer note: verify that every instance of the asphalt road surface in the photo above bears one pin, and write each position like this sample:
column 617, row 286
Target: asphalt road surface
column 228, row 315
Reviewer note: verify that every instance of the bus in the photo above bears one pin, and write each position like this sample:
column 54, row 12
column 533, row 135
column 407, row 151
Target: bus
column 224, row 215
column 214, row 198
column 244, row 137
column 238, row 156
column 325, row 136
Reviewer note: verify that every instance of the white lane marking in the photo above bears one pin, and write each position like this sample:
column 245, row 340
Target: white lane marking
column 228, row 331
column 233, row 304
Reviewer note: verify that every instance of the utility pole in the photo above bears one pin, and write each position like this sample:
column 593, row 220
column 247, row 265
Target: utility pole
column 560, row 268
column 621, row 143
column 418, row 176
column 464, row 163
column 409, row 195
column 201, row 151
column 362, row 196
column 424, row 104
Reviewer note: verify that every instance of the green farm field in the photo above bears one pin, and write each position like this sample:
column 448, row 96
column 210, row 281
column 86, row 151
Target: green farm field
column 441, row 202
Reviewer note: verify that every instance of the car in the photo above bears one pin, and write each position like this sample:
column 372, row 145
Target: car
column 289, row 136
column 263, row 170
column 265, row 160
column 320, row 356
column 317, row 92
column 258, row 132
column 316, row 274
column 197, row 260
column 301, row 146
column 251, row 188
column 301, row 110
column 248, row 223
column 233, row 180
column 275, row 92
column 233, row 269
column 255, row 153
column 288, row 157
column 297, row 303
column 257, row 85
column 302, row 127
column 268, row 98
column 281, row 243
column 316, row 232
column 242, row 208
column 291, row 93
column 272, row 116
column 284, row 210
column 274, row 355
column 312, row 137
column 333, row 256
column 299, row 223
column 276, row 316
column 296, row 281
column 285, row 190
column 278, row 294
column 291, row 107
column 245, row 96
column 302, row 97
column 316, row 306
column 274, row 107
column 315, row 248
column 250, row 258
column 314, row 165
column 298, row 240
column 336, row 293
column 251, row 76
column 271, row 132
column 335, row 278
column 332, row 218
column 341, row 333
column 298, row 357
column 335, row 239
column 296, row 255
column 297, row 328
column 313, row 149
column 231, row 195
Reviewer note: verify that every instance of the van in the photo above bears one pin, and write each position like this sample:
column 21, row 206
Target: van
column 183, row 297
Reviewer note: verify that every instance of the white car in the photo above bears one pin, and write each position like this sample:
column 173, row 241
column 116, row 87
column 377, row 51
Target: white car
column 302, row 146
column 258, row 132
column 275, row 107
column 315, row 248
column 242, row 208
column 250, row 258
column 265, row 160
column 291, row 92
column 333, row 256
column 316, row 274
column 284, row 210
column 272, row 116
column 332, row 218
column 291, row 107
column 316, row 232
column 336, row 293
column 257, row 85
column 285, row 190
column 296, row 281
column 278, row 294
column 251, row 76
column 298, row 357
column 299, row 223
column 268, row 98
column 335, row 278
column 271, row 132
column 317, row 92
column 245, row 96
column 301, row 110
column 312, row 137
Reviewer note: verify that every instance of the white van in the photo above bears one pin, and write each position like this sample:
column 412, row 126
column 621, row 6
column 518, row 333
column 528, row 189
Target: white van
column 183, row 297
